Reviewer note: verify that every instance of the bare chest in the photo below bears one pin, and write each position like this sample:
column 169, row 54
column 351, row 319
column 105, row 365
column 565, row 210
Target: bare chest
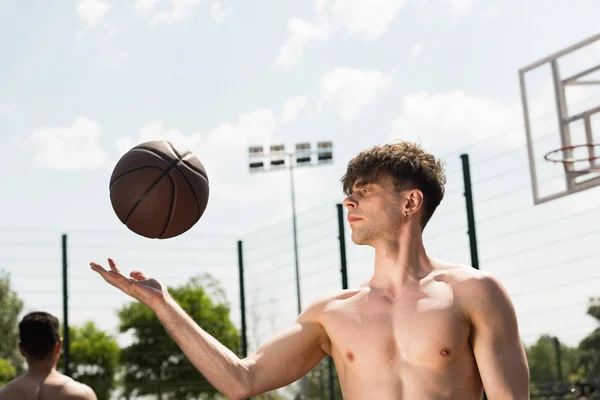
column 427, row 330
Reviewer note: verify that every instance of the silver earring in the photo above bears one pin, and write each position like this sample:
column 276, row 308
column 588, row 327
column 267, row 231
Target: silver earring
column 405, row 214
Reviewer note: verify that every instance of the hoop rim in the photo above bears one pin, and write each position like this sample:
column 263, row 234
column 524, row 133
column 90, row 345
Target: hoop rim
column 571, row 161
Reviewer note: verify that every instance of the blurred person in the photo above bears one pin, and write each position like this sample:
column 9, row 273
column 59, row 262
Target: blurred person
column 584, row 391
column 418, row 328
column 40, row 344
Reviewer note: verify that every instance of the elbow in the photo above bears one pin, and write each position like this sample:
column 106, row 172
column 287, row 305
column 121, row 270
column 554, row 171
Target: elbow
column 237, row 393
column 240, row 388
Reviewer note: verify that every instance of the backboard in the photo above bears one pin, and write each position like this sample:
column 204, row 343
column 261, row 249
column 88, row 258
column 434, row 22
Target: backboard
column 564, row 154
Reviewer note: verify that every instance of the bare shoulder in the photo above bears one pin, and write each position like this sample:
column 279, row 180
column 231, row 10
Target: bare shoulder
column 465, row 278
column 477, row 290
column 12, row 390
column 315, row 310
column 59, row 387
column 74, row 390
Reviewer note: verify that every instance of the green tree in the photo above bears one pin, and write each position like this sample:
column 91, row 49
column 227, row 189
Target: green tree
column 11, row 306
column 7, row 371
column 153, row 363
column 318, row 382
column 590, row 345
column 94, row 358
column 543, row 367
column 273, row 395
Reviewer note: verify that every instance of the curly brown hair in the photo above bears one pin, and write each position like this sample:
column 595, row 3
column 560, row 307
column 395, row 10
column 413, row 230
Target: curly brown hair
column 409, row 166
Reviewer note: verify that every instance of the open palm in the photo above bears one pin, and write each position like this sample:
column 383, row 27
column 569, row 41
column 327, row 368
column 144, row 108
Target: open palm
column 140, row 286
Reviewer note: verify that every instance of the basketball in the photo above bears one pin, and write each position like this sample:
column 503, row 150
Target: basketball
column 159, row 189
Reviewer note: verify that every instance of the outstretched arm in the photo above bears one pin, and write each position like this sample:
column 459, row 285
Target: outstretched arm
column 497, row 346
column 280, row 361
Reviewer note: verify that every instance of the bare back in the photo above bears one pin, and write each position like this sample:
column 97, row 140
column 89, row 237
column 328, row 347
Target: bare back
column 55, row 386
column 407, row 345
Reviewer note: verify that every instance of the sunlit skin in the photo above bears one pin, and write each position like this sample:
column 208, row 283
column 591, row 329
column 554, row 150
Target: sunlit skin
column 418, row 328
column 43, row 382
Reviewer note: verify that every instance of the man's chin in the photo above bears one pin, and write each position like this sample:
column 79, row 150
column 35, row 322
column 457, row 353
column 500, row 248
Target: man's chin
column 359, row 240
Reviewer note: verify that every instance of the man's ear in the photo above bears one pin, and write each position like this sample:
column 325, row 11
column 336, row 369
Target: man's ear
column 414, row 201
column 22, row 351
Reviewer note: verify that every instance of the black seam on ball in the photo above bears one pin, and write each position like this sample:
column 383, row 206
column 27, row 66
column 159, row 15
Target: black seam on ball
column 192, row 189
column 195, row 169
column 177, row 153
column 158, row 153
column 143, row 196
column 112, row 183
column 170, row 208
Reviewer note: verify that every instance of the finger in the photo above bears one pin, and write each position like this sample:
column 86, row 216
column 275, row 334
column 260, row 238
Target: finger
column 139, row 275
column 112, row 277
column 97, row 267
column 113, row 265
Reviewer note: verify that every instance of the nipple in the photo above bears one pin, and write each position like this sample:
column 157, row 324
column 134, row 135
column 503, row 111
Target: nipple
column 445, row 352
column 350, row 356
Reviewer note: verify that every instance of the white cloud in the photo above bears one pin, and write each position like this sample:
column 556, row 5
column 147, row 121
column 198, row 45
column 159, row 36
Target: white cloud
column 449, row 120
column 351, row 91
column 225, row 142
column 292, row 108
column 223, row 151
column 67, row 148
column 178, row 10
column 157, row 131
column 219, row 10
column 78, row 146
column 145, row 6
column 460, row 8
column 300, row 32
column 226, row 147
column 366, row 18
column 92, row 12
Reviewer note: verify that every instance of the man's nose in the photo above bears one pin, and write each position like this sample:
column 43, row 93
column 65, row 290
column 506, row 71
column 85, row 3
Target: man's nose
column 349, row 203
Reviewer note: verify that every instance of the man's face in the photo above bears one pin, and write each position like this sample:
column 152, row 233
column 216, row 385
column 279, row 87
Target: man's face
column 375, row 211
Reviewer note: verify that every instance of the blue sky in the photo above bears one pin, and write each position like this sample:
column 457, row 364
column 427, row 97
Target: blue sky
column 82, row 81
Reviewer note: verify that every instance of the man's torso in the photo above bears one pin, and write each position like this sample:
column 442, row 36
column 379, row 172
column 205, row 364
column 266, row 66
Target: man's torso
column 414, row 344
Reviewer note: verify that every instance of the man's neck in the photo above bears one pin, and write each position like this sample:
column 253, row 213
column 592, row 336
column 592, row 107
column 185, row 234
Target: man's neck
column 400, row 262
column 41, row 369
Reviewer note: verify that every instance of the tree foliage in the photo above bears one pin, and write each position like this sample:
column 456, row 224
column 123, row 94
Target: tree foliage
column 542, row 360
column 7, row 371
column 94, row 358
column 590, row 345
column 578, row 364
column 11, row 306
column 153, row 363
column 319, row 387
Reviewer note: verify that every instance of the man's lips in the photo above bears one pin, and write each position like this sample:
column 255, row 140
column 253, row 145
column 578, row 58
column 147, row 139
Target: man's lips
column 352, row 218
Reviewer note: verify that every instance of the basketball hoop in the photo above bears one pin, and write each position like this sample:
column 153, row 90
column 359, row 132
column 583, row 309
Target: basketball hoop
column 570, row 161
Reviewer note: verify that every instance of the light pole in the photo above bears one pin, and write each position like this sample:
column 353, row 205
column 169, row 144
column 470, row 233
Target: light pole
column 278, row 159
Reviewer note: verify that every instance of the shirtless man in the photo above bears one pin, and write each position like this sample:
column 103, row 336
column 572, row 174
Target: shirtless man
column 40, row 344
column 419, row 328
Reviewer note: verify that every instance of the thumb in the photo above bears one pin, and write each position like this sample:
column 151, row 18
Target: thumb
column 139, row 275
